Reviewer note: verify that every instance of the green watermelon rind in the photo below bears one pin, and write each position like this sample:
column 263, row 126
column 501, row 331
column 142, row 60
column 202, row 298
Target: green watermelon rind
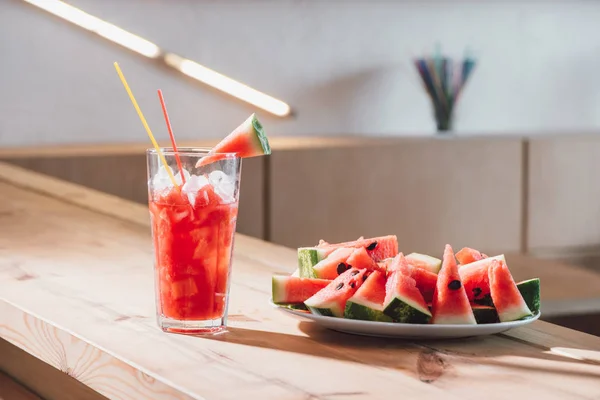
column 261, row 137
column 485, row 314
column 326, row 310
column 530, row 290
column 277, row 290
column 433, row 264
column 308, row 257
column 365, row 310
column 404, row 311
column 293, row 306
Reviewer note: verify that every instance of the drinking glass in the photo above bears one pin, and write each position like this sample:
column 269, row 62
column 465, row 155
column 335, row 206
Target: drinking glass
column 193, row 226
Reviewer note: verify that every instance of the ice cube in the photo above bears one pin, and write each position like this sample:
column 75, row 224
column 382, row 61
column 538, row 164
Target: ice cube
column 223, row 185
column 193, row 183
column 186, row 174
column 162, row 180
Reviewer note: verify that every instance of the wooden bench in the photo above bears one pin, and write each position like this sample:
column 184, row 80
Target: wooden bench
column 11, row 390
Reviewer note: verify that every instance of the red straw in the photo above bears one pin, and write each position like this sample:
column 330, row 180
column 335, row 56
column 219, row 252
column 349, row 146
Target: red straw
column 164, row 108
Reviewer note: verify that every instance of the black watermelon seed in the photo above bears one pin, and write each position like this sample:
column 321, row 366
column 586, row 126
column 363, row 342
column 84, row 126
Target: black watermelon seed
column 352, row 285
column 372, row 246
column 454, row 285
column 341, row 285
column 365, row 276
column 355, row 272
column 477, row 292
column 341, row 268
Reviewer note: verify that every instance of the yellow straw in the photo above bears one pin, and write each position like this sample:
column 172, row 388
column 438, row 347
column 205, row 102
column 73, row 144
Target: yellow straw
column 150, row 135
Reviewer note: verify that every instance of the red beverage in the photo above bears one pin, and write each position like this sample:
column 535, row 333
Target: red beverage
column 193, row 245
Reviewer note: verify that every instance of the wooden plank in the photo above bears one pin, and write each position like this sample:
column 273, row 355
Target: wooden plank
column 466, row 192
column 81, row 299
column 11, row 390
column 107, row 149
column 564, row 195
column 45, row 380
column 125, row 176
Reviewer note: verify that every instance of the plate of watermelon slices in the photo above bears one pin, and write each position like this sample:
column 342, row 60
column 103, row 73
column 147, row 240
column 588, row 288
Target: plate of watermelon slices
column 368, row 287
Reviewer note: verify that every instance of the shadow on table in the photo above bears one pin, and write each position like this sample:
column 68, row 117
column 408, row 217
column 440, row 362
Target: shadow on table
column 428, row 360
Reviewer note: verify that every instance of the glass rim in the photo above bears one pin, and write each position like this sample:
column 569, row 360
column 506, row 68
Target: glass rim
column 189, row 151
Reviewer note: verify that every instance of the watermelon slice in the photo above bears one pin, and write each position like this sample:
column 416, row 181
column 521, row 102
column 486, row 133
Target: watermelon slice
column 360, row 259
column 293, row 290
column 474, row 277
column 331, row 301
column 403, row 300
column 530, row 290
column 331, row 266
column 379, row 248
column 425, row 281
column 450, row 302
column 485, row 314
column 308, row 257
column 247, row 140
column 506, row 297
column 367, row 302
column 467, row 255
column 424, row 261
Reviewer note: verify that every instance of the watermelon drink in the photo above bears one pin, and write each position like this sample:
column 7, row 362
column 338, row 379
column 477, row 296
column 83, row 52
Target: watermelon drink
column 193, row 226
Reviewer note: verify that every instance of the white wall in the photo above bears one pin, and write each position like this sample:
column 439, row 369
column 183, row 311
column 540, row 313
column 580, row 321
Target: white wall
column 344, row 66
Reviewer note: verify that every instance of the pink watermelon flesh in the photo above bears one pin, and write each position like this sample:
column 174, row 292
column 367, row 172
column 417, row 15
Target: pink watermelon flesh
column 450, row 302
column 379, row 248
column 424, row 279
column 331, row 301
column 475, row 279
column 426, row 282
column 334, row 264
column 367, row 302
column 294, row 290
column 507, row 298
column 373, row 290
column 360, row 259
column 468, row 255
column 247, row 140
column 403, row 300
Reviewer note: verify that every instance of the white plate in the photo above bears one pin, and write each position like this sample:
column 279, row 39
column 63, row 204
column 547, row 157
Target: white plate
column 408, row 331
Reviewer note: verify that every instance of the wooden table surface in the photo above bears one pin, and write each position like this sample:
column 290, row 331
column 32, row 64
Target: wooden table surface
column 76, row 291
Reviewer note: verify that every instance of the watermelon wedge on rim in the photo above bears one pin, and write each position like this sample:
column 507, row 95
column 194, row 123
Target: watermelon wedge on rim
column 450, row 302
column 247, row 140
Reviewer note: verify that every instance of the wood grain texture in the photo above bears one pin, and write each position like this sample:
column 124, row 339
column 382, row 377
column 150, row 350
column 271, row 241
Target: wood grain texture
column 11, row 390
column 45, row 380
column 124, row 175
column 114, row 149
column 82, row 299
column 428, row 192
column 564, row 197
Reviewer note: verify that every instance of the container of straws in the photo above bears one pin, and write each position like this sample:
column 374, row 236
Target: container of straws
column 444, row 79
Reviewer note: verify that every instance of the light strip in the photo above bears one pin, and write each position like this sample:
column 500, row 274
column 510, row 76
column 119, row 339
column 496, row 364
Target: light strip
column 148, row 49
column 98, row 26
column 228, row 85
